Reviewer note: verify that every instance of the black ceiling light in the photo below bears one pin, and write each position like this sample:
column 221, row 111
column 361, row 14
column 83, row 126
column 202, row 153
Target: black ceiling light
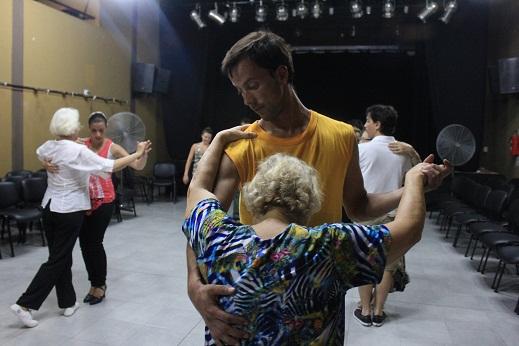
column 388, row 9
column 302, row 9
column 234, row 13
column 316, row 9
column 217, row 17
column 282, row 12
column 430, row 8
column 195, row 16
column 356, row 9
column 449, row 10
column 261, row 12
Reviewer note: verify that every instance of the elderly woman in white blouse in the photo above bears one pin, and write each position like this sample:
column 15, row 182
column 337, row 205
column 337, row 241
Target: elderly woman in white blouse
column 65, row 202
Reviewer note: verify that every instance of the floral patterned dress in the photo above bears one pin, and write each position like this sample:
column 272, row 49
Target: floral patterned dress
column 290, row 287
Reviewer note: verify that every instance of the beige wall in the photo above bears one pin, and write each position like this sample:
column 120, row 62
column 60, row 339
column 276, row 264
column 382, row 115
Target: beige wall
column 502, row 111
column 6, row 16
column 65, row 53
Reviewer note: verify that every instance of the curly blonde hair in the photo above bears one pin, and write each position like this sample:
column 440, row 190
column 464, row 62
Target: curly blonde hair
column 287, row 183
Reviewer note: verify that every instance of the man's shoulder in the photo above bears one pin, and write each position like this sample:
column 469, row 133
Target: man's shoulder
column 331, row 125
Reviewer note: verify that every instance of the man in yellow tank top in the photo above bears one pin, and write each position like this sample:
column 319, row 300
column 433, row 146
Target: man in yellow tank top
column 260, row 68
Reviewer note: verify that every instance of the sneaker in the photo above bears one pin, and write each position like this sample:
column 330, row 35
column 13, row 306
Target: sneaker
column 364, row 320
column 24, row 315
column 378, row 320
column 70, row 311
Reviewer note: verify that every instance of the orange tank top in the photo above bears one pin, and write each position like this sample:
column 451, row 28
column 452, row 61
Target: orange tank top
column 107, row 185
column 326, row 144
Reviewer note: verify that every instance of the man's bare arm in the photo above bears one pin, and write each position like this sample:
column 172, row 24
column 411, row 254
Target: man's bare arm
column 205, row 296
column 360, row 205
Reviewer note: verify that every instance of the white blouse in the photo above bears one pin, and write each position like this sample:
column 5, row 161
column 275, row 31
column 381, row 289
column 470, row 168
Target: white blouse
column 67, row 190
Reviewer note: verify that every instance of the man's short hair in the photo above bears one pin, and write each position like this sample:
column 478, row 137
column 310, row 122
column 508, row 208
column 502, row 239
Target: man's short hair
column 264, row 48
column 386, row 115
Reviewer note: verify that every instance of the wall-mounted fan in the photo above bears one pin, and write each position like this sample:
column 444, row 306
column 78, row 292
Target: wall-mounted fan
column 456, row 143
column 126, row 129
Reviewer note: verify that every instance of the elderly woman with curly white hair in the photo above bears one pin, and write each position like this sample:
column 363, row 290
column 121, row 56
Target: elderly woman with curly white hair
column 289, row 280
column 65, row 202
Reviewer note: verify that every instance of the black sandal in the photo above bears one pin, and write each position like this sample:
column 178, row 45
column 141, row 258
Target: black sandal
column 96, row 300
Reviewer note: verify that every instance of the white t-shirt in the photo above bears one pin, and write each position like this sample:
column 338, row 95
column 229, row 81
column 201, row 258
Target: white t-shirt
column 68, row 189
column 382, row 170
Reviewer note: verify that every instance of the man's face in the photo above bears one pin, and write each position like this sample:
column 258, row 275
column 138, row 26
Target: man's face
column 261, row 90
column 370, row 126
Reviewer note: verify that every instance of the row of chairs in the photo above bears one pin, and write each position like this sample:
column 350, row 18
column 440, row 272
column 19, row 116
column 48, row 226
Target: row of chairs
column 20, row 203
column 490, row 217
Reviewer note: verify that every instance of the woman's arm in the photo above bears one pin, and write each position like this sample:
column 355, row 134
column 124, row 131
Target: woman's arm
column 403, row 148
column 406, row 229
column 203, row 182
column 121, row 163
column 189, row 161
column 139, row 164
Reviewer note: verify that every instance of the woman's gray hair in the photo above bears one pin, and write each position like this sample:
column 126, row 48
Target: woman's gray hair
column 65, row 122
column 287, row 183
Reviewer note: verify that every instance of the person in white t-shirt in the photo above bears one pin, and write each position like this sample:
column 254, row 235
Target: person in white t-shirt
column 65, row 202
column 382, row 171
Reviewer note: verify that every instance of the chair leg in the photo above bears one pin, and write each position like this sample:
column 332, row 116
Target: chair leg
column 457, row 236
column 41, row 232
column 496, row 275
column 474, row 248
column 133, row 207
column 10, row 238
column 468, row 245
column 503, row 267
column 174, row 192
column 486, row 260
column 481, row 260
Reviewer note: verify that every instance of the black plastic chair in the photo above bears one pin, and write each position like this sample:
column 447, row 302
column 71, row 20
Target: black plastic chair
column 508, row 254
column 8, row 204
column 164, row 175
column 492, row 209
column 33, row 190
column 21, row 172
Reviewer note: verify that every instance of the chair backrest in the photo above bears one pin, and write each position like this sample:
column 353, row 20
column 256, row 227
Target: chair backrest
column 480, row 196
column 22, row 172
column 33, row 190
column 17, row 180
column 10, row 196
column 513, row 216
column 495, row 203
column 164, row 170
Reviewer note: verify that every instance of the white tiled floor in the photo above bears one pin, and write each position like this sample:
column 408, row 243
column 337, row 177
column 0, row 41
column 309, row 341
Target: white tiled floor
column 446, row 303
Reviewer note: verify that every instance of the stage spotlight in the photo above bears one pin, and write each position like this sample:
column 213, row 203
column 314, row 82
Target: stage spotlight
column 261, row 12
column 234, row 13
column 302, row 10
column 316, row 9
column 331, row 11
column 214, row 15
column 195, row 16
column 430, row 8
column 282, row 12
column 368, row 9
column 406, row 9
column 450, row 8
column 388, row 9
column 356, row 9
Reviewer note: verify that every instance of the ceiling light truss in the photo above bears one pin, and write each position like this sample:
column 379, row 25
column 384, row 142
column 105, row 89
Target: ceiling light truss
column 281, row 10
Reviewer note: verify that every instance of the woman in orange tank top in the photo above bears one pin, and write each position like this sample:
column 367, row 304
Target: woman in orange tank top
column 102, row 196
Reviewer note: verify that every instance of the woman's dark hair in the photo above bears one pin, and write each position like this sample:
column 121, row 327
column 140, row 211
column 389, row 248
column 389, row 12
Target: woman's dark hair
column 207, row 130
column 264, row 48
column 386, row 115
column 96, row 117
